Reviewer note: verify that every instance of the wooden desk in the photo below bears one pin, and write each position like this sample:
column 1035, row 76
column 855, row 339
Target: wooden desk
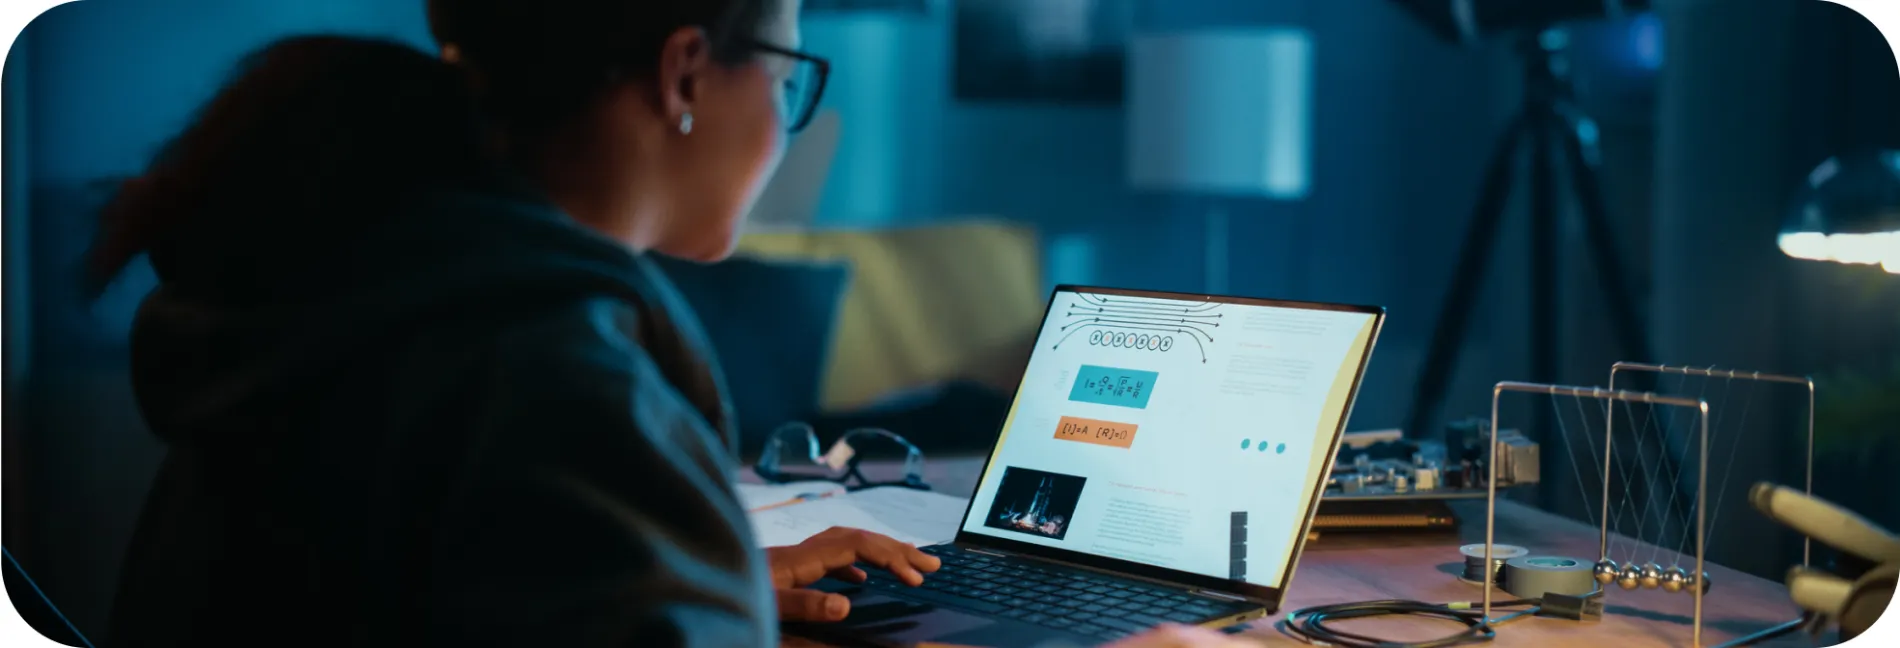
column 1347, row 568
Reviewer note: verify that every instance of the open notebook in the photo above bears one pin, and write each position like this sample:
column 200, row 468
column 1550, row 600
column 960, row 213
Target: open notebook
column 787, row 514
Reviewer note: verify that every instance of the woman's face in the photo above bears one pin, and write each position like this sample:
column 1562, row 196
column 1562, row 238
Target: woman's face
column 717, row 170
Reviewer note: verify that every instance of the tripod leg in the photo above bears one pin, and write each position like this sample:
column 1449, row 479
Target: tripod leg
column 1580, row 144
column 1480, row 239
column 1545, row 288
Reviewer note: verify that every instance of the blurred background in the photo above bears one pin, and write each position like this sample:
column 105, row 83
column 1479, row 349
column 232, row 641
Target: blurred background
column 972, row 154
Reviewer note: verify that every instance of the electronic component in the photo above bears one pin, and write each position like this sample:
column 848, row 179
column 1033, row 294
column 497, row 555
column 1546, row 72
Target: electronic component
column 1384, row 465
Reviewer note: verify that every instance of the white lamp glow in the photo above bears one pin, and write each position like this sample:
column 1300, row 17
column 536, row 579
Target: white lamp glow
column 1224, row 113
column 1848, row 212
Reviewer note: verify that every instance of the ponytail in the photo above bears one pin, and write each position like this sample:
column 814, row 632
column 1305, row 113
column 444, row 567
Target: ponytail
column 305, row 143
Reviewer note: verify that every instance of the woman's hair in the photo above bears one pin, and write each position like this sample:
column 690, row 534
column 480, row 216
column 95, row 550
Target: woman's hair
column 315, row 133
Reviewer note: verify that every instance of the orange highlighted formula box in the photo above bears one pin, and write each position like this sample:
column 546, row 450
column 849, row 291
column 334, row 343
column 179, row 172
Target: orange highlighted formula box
column 1104, row 433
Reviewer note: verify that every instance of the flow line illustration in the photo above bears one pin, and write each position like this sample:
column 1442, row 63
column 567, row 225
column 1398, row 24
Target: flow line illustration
column 1181, row 324
column 1128, row 324
column 1109, row 336
column 1171, row 315
column 1186, row 307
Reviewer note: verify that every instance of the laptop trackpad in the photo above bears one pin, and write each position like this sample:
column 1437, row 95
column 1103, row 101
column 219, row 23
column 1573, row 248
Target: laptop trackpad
column 898, row 621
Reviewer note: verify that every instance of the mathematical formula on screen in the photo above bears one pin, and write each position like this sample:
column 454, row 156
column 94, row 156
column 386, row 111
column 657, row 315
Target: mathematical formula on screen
column 1105, row 433
column 1110, row 386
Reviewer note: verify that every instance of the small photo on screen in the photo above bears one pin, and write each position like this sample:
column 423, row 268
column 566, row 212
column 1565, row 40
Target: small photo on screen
column 1035, row 502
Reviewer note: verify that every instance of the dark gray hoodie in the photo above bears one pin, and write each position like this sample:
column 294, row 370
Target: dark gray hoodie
column 470, row 423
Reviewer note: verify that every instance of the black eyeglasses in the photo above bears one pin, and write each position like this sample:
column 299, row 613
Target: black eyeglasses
column 792, row 455
column 798, row 98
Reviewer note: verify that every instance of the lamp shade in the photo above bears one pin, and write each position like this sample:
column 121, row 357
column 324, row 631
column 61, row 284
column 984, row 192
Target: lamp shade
column 1221, row 112
column 1848, row 212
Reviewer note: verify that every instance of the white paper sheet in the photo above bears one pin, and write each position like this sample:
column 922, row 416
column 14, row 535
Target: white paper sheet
column 756, row 496
column 916, row 517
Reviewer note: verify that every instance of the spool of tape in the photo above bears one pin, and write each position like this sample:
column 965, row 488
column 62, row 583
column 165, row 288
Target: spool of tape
column 1535, row 576
column 1474, row 561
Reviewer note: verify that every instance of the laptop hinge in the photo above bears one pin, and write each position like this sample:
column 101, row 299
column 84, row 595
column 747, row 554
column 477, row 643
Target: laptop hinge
column 986, row 552
column 1222, row 595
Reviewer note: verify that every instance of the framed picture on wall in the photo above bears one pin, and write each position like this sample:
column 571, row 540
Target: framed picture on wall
column 1060, row 51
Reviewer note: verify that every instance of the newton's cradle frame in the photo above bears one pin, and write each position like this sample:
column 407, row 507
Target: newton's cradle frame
column 1628, row 574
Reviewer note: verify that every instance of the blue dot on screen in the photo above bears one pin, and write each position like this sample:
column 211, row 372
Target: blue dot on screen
column 1244, row 443
column 1281, row 449
column 1264, row 446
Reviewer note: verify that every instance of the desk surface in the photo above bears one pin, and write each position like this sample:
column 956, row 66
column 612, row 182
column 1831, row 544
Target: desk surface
column 1347, row 568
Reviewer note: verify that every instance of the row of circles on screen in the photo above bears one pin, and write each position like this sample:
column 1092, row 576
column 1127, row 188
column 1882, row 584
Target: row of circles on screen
column 1122, row 340
column 1263, row 446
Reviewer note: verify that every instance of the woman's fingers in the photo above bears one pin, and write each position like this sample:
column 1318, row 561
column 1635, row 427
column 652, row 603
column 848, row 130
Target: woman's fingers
column 811, row 605
column 836, row 552
column 851, row 575
column 902, row 560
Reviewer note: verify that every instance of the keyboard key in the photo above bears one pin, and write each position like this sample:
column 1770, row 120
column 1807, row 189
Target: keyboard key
column 1121, row 594
column 940, row 598
column 1050, row 598
column 1089, row 597
column 1119, row 624
column 1088, row 629
column 1178, row 616
column 1154, row 611
column 1083, row 615
column 1036, row 618
column 1014, row 613
column 1132, row 605
column 1036, row 607
column 1202, row 609
column 1145, row 620
column 1008, row 591
column 1058, row 623
column 995, row 598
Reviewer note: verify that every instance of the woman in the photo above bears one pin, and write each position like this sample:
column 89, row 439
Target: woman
column 420, row 383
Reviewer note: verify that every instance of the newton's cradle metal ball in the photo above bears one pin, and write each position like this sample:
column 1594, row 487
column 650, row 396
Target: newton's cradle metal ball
column 1704, row 581
column 1652, row 576
column 1630, row 577
column 1675, row 579
column 1607, row 569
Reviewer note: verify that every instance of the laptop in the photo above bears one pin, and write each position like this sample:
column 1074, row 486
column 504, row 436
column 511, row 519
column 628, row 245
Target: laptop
column 1161, row 462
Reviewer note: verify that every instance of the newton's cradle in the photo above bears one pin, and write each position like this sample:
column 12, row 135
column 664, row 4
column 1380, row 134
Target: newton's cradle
column 1626, row 565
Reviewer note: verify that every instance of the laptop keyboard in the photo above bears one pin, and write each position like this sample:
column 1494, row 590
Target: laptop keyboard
column 1051, row 596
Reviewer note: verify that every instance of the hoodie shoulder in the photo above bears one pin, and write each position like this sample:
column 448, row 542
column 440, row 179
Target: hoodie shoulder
column 594, row 463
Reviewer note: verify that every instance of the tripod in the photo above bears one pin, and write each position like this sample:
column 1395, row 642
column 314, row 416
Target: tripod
column 1549, row 119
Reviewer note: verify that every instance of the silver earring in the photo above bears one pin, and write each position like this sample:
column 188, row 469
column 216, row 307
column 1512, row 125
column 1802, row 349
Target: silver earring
column 686, row 124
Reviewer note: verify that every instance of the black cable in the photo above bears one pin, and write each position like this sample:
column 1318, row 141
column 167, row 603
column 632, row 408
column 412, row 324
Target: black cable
column 1310, row 624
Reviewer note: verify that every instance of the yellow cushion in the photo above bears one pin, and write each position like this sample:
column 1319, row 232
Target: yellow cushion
column 925, row 304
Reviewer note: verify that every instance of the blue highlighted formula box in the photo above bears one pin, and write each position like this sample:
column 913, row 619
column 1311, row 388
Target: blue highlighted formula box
column 1111, row 386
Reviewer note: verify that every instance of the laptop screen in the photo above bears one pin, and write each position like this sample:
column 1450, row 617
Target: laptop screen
column 1187, row 434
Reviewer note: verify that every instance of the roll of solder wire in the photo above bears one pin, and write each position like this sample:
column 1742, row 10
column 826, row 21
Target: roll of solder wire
column 1474, row 562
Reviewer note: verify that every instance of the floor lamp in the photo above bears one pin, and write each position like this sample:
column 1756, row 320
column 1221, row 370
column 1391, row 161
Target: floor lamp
column 1848, row 212
column 1221, row 114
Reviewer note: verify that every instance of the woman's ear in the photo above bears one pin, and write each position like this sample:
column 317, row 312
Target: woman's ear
column 684, row 59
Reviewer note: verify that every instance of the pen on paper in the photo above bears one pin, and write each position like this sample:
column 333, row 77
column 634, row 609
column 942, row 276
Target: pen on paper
column 807, row 497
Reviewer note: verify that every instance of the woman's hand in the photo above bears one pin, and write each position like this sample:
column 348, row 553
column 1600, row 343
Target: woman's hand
column 835, row 553
column 1180, row 636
